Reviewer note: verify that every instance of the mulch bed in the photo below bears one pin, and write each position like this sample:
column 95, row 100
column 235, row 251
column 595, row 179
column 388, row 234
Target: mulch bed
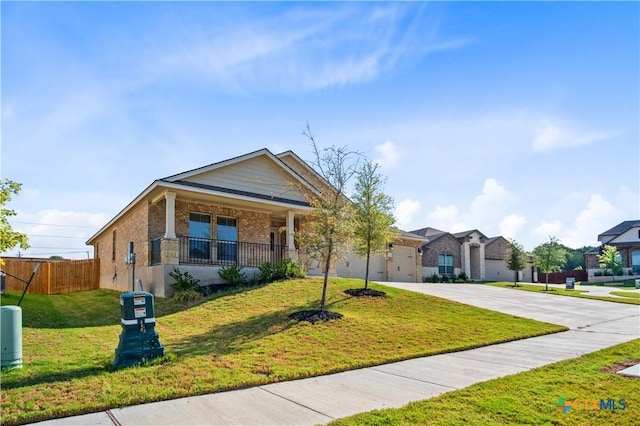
column 621, row 366
column 315, row 315
column 365, row 292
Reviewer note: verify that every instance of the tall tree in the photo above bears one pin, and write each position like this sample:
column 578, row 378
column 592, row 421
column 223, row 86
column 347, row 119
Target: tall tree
column 610, row 259
column 549, row 257
column 8, row 237
column 516, row 259
column 373, row 214
column 330, row 226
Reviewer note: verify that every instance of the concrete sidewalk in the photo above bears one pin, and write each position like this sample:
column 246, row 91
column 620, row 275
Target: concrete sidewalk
column 594, row 325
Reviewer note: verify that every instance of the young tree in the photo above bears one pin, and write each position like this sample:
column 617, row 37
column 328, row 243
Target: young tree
column 330, row 225
column 610, row 259
column 549, row 257
column 373, row 215
column 8, row 237
column 516, row 260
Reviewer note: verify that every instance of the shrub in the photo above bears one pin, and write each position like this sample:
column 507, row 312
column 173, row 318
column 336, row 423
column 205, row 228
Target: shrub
column 597, row 274
column 287, row 269
column 463, row 276
column 186, row 286
column 233, row 274
column 186, row 296
column 267, row 272
column 445, row 278
column 434, row 278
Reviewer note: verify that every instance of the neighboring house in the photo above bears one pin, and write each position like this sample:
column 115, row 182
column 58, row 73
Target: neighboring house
column 625, row 237
column 401, row 262
column 243, row 211
column 471, row 252
column 496, row 250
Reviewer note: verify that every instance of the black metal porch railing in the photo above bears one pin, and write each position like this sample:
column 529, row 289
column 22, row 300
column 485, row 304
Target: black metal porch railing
column 205, row 251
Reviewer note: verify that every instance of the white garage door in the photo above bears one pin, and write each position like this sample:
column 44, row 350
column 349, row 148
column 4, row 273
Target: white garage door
column 404, row 264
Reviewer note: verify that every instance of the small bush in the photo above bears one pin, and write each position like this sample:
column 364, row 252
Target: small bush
column 186, row 286
column 267, row 272
column 463, row 277
column 446, row 278
column 233, row 274
column 597, row 274
column 287, row 269
column 186, row 296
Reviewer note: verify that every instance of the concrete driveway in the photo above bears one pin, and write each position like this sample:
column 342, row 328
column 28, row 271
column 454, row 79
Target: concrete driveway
column 594, row 325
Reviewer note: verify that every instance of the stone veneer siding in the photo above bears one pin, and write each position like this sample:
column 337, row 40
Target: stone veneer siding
column 439, row 246
column 497, row 250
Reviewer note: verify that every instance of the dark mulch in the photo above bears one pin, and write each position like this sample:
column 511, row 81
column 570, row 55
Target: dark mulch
column 365, row 292
column 314, row 316
column 621, row 366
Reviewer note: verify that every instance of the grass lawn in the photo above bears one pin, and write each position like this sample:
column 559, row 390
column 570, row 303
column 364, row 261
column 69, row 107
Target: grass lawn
column 626, row 294
column 530, row 397
column 632, row 300
column 230, row 341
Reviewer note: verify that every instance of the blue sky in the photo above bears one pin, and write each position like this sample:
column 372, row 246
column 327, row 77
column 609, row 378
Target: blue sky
column 516, row 119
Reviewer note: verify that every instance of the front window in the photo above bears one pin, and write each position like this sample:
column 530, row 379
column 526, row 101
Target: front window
column 227, row 230
column 199, row 236
column 445, row 264
column 635, row 262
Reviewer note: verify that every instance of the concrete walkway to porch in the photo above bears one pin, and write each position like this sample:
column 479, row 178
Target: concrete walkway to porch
column 593, row 324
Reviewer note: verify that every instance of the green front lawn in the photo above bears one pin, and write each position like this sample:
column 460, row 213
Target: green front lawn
column 531, row 397
column 561, row 291
column 626, row 294
column 230, row 341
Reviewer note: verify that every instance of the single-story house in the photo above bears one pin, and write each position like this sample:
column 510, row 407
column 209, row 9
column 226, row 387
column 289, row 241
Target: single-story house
column 471, row 252
column 625, row 237
column 242, row 211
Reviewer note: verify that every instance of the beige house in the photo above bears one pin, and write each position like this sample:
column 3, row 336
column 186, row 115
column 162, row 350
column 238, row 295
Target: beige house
column 469, row 252
column 242, row 211
column 625, row 237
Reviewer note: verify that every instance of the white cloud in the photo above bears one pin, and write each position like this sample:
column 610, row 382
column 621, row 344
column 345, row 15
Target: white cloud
column 446, row 218
column 547, row 229
column 405, row 211
column 494, row 197
column 551, row 136
column 510, row 225
column 590, row 222
column 387, row 155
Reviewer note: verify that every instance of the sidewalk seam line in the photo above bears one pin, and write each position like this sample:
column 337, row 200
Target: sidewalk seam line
column 113, row 418
column 413, row 378
column 295, row 402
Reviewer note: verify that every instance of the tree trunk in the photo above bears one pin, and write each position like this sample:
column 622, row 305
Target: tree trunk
column 326, row 277
column 515, row 279
column 546, row 285
column 366, row 271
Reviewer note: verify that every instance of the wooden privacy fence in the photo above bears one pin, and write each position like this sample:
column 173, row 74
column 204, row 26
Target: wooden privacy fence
column 561, row 277
column 54, row 276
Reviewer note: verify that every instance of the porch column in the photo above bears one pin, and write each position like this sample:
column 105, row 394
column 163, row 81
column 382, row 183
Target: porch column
column 466, row 258
column 482, row 262
column 170, row 220
column 291, row 245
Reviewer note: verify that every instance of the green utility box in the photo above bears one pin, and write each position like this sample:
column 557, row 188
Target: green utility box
column 11, row 337
column 138, row 341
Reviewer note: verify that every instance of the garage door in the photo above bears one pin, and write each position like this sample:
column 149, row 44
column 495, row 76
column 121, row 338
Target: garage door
column 404, row 264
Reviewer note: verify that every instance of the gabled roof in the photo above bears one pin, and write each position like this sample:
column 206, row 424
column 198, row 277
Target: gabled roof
column 187, row 181
column 619, row 229
column 491, row 240
column 465, row 234
column 426, row 232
